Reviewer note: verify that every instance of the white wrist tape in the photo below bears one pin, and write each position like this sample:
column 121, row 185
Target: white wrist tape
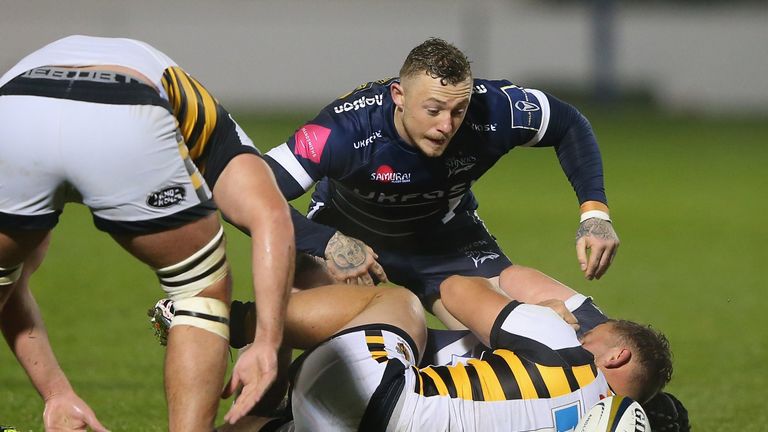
column 599, row 214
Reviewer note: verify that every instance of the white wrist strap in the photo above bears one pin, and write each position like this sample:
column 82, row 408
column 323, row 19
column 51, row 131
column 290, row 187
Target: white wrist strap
column 595, row 214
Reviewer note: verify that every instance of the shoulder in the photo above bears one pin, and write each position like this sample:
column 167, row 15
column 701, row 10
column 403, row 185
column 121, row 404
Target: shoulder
column 511, row 106
column 508, row 96
column 357, row 114
column 363, row 98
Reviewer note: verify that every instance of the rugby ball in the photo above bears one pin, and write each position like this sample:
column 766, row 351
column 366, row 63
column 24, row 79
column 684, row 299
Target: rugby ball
column 615, row 414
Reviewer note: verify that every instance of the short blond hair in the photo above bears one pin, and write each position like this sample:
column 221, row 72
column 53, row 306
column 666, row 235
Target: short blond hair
column 438, row 59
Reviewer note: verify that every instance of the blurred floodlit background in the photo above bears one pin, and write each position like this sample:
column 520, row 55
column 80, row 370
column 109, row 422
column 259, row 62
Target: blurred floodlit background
column 690, row 56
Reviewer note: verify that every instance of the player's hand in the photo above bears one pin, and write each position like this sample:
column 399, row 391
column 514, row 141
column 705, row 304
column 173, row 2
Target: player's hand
column 598, row 237
column 353, row 262
column 559, row 307
column 67, row 412
column 255, row 371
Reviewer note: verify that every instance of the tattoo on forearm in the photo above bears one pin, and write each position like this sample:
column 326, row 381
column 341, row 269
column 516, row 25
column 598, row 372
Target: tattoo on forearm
column 598, row 228
column 345, row 252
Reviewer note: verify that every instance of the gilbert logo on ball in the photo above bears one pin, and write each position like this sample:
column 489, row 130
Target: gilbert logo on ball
column 615, row 414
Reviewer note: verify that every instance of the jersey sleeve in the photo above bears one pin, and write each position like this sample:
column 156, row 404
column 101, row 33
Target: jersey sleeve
column 586, row 312
column 576, row 146
column 533, row 118
column 211, row 135
column 313, row 152
column 538, row 333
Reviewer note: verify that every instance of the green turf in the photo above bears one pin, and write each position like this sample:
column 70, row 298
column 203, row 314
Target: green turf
column 687, row 197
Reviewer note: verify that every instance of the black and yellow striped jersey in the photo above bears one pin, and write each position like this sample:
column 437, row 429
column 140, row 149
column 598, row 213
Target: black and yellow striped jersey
column 536, row 376
column 502, row 375
column 212, row 138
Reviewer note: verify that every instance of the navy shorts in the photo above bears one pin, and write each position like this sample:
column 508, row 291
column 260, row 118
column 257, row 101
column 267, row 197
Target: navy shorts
column 421, row 262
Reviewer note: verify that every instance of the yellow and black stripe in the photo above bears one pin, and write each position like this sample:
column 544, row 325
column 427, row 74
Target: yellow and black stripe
column 375, row 341
column 502, row 375
column 195, row 108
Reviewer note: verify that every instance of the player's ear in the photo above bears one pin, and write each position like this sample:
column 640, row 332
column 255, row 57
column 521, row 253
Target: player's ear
column 618, row 358
column 398, row 96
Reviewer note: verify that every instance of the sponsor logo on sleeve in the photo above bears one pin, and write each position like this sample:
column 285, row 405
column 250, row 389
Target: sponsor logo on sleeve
column 526, row 106
column 487, row 127
column 368, row 141
column 386, row 174
column 166, row 197
column 479, row 89
column 362, row 102
column 310, row 142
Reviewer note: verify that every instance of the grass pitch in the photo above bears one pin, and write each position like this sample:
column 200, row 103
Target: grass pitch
column 688, row 199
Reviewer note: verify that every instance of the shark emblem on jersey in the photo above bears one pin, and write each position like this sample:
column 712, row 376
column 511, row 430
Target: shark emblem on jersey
column 461, row 164
column 479, row 257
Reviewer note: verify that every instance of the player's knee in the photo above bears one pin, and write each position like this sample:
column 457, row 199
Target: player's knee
column 405, row 296
column 204, row 313
column 407, row 303
column 200, row 273
column 450, row 287
column 513, row 271
column 203, row 269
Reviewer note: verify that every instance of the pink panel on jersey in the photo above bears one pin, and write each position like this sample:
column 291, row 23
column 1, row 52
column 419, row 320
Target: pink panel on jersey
column 310, row 142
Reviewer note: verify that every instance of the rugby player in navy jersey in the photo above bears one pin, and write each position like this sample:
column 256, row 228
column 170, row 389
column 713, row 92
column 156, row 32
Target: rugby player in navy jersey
column 394, row 161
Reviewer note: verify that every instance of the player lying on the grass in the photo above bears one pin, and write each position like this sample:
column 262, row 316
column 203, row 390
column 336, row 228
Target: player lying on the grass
column 537, row 374
column 538, row 360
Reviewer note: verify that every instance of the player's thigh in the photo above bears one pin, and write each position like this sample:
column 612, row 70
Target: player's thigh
column 168, row 247
column 16, row 246
column 397, row 307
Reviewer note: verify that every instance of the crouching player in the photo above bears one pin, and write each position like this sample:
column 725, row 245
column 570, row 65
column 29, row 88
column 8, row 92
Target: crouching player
column 117, row 125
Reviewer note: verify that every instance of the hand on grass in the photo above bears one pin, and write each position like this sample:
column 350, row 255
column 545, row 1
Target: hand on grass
column 254, row 372
column 67, row 412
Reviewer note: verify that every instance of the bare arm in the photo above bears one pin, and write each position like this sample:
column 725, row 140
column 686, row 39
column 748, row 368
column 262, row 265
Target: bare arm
column 247, row 194
column 25, row 333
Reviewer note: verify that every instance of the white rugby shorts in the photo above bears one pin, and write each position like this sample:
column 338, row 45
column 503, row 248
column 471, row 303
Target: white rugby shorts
column 127, row 163
column 338, row 378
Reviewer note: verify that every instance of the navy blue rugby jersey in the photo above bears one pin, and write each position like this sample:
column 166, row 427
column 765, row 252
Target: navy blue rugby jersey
column 386, row 189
